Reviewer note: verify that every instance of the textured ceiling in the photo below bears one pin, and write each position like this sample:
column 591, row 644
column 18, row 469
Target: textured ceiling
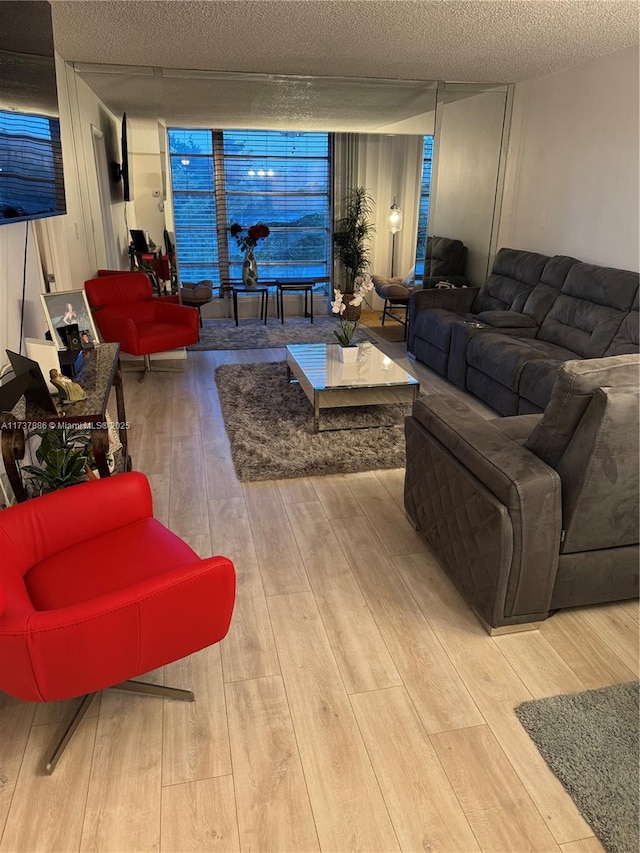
column 502, row 41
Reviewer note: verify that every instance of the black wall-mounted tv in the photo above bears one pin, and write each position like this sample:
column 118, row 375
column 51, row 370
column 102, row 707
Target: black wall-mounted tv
column 120, row 171
column 31, row 177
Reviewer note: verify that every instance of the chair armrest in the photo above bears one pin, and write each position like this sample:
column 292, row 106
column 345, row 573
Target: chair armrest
column 473, row 457
column 120, row 329
column 179, row 314
column 49, row 524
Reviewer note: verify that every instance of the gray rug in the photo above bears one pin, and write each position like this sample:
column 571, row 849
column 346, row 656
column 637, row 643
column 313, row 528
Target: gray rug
column 253, row 334
column 270, row 425
column 590, row 741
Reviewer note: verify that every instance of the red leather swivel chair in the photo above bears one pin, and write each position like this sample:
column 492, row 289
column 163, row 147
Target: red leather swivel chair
column 125, row 311
column 94, row 591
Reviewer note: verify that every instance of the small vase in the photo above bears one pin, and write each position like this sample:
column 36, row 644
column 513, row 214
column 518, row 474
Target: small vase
column 348, row 355
column 249, row 270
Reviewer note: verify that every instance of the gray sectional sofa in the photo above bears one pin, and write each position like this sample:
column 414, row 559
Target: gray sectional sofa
column 532, row 513
column 505, row 341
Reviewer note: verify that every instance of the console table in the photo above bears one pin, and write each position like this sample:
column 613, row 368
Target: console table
column 99, row 373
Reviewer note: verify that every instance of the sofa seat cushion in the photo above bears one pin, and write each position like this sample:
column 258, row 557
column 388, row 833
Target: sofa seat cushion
column 435, row 324
column 503, row 357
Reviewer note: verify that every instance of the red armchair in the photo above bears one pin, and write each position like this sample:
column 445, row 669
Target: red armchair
column 125, row 311
column 95, row 591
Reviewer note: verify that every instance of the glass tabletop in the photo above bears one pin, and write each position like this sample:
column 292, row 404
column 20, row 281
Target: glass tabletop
column 323, row 369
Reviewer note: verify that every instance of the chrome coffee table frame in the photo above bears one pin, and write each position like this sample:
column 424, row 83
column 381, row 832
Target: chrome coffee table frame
column 373, row 380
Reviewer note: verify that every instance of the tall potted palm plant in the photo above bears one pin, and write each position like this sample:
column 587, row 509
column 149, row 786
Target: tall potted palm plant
column 352, row 235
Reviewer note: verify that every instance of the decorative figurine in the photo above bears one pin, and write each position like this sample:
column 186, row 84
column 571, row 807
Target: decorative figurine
column 70, row 392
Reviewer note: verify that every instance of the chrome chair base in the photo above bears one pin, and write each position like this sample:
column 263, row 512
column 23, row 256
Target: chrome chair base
column 147, row 368
column 85, row 702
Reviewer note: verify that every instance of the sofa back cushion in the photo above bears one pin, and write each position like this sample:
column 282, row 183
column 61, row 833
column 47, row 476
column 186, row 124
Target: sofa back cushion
column 626, row 339
column 545, row 293
column 514, row 275
column 599, row 473
column 590, row 308
column 575, row 385
column 445, row 256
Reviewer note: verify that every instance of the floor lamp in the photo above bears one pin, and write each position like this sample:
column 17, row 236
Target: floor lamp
column 394, row 224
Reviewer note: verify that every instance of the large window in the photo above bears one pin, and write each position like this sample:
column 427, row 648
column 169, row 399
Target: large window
column 423, row 216
column 281, row 179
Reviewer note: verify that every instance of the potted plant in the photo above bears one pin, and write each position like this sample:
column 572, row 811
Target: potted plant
column 348, row 346
column 351, row 236
column 64, row 456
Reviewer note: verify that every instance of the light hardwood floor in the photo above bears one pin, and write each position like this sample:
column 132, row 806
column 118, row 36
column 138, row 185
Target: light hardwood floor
column 356, row 704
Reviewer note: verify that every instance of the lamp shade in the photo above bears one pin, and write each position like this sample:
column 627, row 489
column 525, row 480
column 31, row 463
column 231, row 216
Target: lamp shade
column 394, row 220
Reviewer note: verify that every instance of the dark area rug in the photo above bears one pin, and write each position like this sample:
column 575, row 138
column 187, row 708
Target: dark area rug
column 253, row 334
column 590, row 741
column 270, row 425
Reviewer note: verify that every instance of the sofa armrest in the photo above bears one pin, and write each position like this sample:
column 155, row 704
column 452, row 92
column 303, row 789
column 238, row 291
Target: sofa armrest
column 181, row 315
column 491, row 510
column 459, row 299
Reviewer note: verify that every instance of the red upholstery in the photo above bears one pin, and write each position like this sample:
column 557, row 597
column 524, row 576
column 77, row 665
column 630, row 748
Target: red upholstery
column 94, row 591
column 126, row 312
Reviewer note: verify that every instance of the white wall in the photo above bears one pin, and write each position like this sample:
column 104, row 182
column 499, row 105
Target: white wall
column 571, row 184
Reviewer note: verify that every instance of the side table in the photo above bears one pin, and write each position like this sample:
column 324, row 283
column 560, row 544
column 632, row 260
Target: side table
column 305, row 285
column 241, row 290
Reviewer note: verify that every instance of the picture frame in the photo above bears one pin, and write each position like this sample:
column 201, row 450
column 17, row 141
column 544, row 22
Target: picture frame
column 67, row 308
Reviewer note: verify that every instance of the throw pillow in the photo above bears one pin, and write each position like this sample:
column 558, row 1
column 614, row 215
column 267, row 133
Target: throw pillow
column 409, row 279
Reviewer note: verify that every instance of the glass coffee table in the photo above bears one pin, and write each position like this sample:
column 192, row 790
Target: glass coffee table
column 373, row 380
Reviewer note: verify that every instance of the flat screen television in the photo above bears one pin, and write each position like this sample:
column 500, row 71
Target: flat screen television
column 121, row 170
column 31, row 177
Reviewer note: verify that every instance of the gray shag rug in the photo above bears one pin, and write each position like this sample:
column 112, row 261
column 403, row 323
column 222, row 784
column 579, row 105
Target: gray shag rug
column 253, row 334
column 270, row 426
column 590, row 741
